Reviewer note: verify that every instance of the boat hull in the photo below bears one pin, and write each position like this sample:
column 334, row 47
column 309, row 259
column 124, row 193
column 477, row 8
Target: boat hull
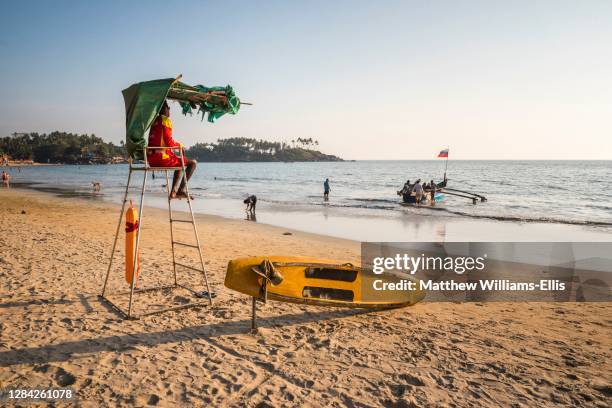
column 410, row 199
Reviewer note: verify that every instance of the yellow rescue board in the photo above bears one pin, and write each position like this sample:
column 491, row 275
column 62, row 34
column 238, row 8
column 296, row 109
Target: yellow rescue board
column 321, row 282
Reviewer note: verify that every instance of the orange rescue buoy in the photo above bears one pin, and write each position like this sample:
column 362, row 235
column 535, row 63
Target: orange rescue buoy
column 131, row 229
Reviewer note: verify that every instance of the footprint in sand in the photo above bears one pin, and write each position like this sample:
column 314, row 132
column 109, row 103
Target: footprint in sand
column 605, row 389
column 64, row 378
column 412, row 380
column 153, row 399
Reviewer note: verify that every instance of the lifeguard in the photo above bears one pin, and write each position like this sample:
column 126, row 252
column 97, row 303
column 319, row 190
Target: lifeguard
column 161, row 136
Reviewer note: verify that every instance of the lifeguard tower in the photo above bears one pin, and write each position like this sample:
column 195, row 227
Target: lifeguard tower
column 143, row 102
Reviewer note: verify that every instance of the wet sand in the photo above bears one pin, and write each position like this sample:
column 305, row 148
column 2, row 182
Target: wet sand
column 55, row 332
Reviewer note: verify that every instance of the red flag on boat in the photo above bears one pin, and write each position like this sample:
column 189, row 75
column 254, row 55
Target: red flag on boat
column 443, row 153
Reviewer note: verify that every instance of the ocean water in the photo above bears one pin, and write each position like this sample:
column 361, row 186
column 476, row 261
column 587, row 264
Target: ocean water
column 563, row 192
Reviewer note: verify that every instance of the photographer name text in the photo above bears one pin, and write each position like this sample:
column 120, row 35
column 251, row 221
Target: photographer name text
column 489, row 285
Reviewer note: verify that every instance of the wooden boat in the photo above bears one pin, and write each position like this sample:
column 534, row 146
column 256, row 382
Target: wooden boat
column 316, row 281
column 408, row 198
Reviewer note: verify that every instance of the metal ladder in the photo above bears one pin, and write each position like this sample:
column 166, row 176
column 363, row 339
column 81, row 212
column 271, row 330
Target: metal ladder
column 146, row 168
column 195, row 232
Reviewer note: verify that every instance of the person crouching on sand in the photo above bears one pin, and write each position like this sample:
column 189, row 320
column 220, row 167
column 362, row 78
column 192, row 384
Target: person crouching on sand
column 161, row 136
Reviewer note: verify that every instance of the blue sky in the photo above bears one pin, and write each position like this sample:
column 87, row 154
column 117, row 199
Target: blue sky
column 394, row 80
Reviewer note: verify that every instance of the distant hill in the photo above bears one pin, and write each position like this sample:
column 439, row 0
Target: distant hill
column 240, row 149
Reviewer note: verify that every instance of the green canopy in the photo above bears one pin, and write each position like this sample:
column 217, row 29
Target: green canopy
column 144, row 100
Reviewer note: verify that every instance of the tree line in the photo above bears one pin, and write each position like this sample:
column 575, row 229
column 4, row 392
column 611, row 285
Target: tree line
column 60, row 147
column 72, row 148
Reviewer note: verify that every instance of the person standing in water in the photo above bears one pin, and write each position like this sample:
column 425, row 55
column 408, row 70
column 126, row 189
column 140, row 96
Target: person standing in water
column 326, row 189
column 418, row 192
column 432, row 192
column 6, row 179
column 405, row 189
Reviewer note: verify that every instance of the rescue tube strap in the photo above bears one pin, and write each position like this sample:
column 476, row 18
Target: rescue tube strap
column 131, row 226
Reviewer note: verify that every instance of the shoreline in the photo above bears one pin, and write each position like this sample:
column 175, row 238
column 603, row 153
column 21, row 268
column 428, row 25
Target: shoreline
column 429, row 210
column 365, row 225
column 57, row 333
column 370, row 160
column 161, row 213
column 367, row 190
column 29, row 165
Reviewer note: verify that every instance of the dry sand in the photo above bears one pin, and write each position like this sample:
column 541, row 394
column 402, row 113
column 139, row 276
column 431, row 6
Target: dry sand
column 54, row 331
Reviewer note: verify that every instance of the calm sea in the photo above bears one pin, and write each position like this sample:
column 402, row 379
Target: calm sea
column 571, row 192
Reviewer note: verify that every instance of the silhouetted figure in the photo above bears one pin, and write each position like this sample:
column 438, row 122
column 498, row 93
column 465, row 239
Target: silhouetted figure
column 251, row 202
column 6, row 179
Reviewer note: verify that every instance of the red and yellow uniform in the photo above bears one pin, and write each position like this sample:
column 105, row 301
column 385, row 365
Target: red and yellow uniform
column 160, row 135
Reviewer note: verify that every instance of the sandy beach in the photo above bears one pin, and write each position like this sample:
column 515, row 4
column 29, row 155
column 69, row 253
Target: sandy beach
column 55, row 332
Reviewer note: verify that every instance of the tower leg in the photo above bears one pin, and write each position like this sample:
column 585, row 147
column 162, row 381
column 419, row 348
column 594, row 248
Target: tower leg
column 171, row 227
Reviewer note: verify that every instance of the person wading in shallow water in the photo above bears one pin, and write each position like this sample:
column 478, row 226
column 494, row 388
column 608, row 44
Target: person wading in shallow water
column 161, row 136
column 432, row 192
column 418, row 192
column 6, row 179
column 326, row 190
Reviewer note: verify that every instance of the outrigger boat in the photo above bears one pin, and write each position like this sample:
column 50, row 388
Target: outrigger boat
column 408, row 198
column 441, row 189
